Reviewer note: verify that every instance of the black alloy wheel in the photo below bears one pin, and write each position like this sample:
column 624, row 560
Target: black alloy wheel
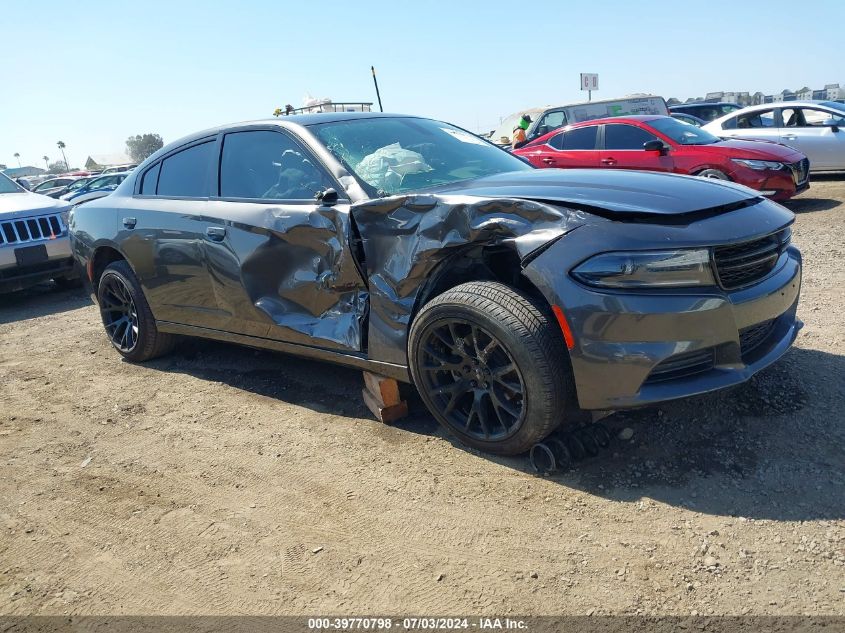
column 472, row 378
column 120, row 316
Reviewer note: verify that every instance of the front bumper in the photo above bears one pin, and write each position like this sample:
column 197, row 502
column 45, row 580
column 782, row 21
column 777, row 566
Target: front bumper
column 59, row 264
column 625, row 341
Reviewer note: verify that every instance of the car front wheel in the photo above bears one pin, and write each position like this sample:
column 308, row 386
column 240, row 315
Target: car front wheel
column 126, row 315
column 491, row 366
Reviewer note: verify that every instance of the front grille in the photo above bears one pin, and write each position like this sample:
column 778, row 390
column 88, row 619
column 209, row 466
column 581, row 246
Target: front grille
column 751, row 337
column 46, row 227
column 739, row 265
column 682, row 366
column 800, row 171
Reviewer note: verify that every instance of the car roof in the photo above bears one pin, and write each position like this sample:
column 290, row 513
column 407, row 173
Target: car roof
column 702, row 104
column 292, row 120
column 643, row 118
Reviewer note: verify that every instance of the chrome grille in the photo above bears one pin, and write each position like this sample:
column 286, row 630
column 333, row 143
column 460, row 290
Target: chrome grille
column 682, row 366
column 24, row 230
column 800, row 171
column 739, row 265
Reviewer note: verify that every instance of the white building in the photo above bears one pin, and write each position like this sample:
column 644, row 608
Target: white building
column 833, row 92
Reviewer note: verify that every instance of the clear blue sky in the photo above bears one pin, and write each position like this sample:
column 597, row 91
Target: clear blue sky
column 93, row 73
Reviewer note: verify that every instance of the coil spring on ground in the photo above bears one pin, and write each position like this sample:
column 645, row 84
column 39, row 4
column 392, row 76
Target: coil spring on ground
column 561, row 450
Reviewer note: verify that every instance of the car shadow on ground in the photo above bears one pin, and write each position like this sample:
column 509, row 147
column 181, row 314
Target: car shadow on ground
column 41, row 300
column 810, row 205
column 768, row 449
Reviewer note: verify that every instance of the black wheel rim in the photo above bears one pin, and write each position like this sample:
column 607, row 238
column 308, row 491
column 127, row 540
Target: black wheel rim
column 119, row 314
column 471, row 380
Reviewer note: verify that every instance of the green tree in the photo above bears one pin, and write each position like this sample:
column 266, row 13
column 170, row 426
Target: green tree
column 46, row 161
column 18, row 156
column 57, row 168
column 61, row 145
column 142, row 145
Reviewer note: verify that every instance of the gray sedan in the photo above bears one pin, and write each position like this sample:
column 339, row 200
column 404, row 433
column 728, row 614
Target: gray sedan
column 815, row 128
column 511, row 297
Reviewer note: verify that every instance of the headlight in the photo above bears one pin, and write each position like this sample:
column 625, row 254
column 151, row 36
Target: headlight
column 647, row 269
column 758, row 165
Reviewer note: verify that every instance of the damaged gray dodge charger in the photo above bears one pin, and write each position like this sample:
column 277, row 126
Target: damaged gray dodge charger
column 512, row 298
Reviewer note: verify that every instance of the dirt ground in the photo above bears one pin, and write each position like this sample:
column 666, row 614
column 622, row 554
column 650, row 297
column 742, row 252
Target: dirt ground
column 221, row 480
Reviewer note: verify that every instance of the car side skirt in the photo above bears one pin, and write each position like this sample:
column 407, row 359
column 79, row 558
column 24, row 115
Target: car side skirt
column 390, row 370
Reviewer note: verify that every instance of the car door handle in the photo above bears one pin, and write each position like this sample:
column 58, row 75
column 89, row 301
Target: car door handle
column 215, row 233
column 608, row 161
column 548, row 161
column 130, row 223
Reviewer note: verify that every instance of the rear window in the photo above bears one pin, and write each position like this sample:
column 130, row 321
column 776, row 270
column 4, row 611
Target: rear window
column 185, row 174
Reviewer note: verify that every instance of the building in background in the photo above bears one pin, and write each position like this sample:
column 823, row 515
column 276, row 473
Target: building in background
column 98, row 162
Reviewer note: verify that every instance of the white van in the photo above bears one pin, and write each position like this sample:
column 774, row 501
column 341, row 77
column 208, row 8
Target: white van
column 549, row 118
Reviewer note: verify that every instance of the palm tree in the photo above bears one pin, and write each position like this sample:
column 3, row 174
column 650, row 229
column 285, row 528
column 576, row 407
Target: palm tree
column 18, row 156
column 46, row 162
column 61, row 146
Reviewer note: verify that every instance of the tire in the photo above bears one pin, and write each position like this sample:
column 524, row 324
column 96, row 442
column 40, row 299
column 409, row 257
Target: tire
column 126, row 315
column 491, row 366
column 713, row 173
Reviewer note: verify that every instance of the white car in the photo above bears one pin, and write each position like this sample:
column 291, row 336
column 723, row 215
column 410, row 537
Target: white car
column 815, row 128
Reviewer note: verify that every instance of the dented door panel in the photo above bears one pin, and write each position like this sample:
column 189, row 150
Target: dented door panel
column 285, row 271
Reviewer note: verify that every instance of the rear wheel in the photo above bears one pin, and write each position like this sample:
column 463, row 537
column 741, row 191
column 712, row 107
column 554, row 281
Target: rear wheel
column 126, row 315
column 491, row 366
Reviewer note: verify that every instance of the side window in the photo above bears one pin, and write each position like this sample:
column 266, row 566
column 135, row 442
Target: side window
column 618, row 136
column 556, row 141
column 582, row 138
column 758, row 119
column 148, row 184
column 186, row 173
column 816, row 118
column 792, row 117
column 549, row 122
column 268, row 165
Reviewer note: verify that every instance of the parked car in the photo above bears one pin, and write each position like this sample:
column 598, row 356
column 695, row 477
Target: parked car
column 548, row 118
column 53, row 185
column 815, row 128
column 95, row 188
column 510, row 296
column 688, row 118
column 34, row 244
column 119, row 168
column 74, row 185
column 705, row 111
column 662, row 143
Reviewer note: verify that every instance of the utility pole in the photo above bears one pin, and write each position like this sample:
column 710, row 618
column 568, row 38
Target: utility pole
column 375, row 81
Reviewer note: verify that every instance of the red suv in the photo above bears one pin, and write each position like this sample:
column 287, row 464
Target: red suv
column 661, row 143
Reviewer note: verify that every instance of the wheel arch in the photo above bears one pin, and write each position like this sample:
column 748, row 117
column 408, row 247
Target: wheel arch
column 101, row 256
column 479, row 262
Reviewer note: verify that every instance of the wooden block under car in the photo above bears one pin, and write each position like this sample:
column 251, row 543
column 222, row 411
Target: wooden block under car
column 381, row 395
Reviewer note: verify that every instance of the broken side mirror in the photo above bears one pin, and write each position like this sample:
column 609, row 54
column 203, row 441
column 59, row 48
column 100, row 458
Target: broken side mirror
column 327, row 197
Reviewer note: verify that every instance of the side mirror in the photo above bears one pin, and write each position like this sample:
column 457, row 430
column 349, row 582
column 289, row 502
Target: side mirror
column 832, row 124
column 654, row 145
column 327, row 197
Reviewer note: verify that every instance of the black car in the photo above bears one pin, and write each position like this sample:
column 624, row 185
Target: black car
column 705, row 111
column 511, row 297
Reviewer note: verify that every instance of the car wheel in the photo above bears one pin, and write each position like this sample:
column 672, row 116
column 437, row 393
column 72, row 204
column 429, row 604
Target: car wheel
column 713, row 173
column 126, row 315
column 491, row 366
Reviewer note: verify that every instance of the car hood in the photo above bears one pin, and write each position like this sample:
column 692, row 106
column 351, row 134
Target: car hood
column 620, row 195
column 27, row 204
column 761, row 150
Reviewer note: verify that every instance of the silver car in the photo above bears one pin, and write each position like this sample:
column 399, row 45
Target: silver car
column 34, row 245
column 815, row 128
